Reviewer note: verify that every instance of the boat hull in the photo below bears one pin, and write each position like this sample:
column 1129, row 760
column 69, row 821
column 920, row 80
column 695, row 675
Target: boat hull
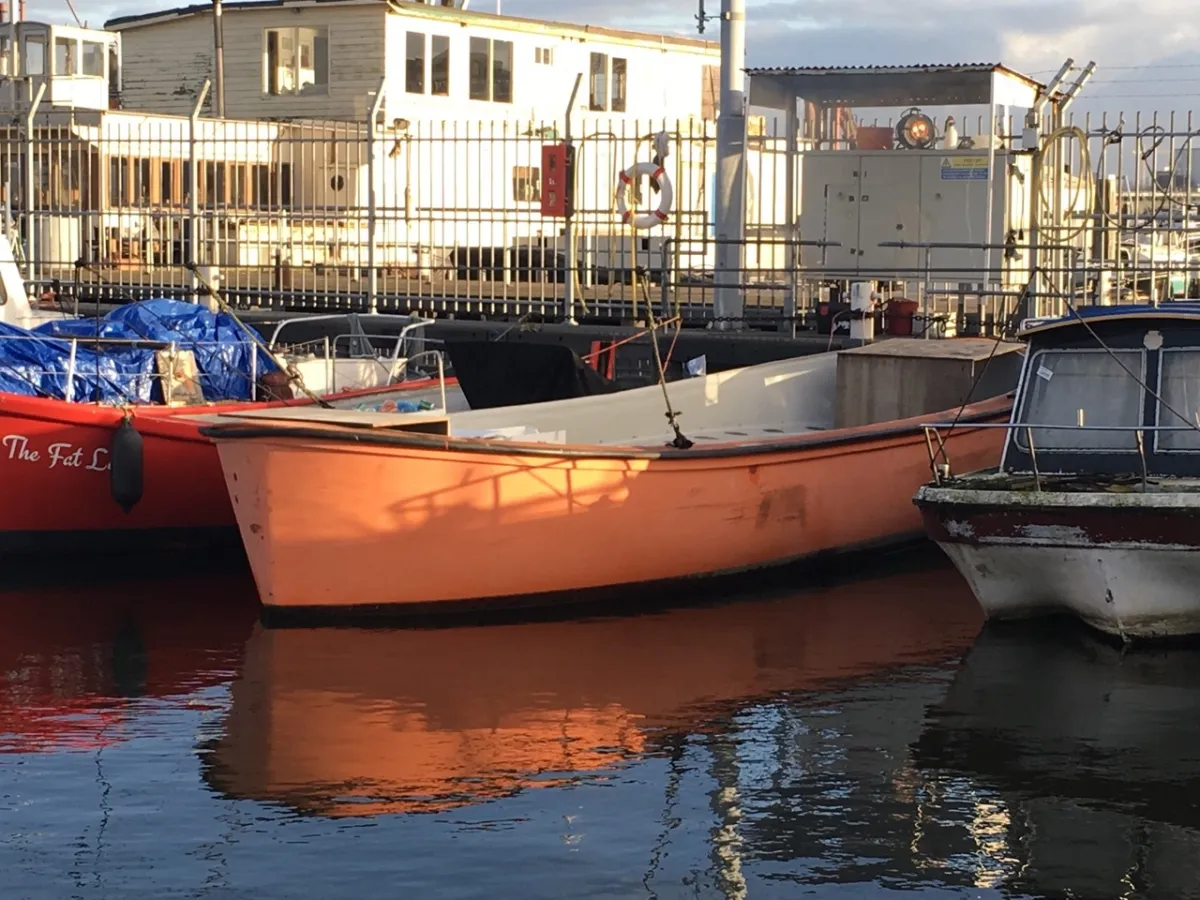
column 55, row 465
column 354, row 521
column 1127, row 564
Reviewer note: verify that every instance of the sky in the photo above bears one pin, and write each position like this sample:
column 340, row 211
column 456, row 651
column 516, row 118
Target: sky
column 1148, row 52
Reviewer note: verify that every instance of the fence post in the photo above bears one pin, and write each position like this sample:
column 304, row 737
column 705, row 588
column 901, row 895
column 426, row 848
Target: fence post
column 194, row 192
column 31, row 265
column 373, row 199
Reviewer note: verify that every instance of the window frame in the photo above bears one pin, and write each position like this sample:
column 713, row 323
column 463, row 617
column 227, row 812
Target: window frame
column 491, row 70
column 1020, row 438
column 434, row 39
column 270, row 73
column 602, row 104
column 1158, row 405
column 409, row 60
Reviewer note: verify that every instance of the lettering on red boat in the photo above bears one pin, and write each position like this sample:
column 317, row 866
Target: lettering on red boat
column 60, row 454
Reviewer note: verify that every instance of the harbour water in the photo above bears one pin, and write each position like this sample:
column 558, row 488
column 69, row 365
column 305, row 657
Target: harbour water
column 854, row 739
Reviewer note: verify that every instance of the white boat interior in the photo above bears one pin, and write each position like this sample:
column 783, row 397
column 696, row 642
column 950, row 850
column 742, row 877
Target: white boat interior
column 793, row 396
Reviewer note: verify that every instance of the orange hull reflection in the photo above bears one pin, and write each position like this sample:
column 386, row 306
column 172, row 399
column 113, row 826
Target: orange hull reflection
column 71, row 657
column 352, row 722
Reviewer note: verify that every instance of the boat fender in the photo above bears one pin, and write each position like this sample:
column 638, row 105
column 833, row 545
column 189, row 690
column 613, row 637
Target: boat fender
column 125, row 471
column 666, row 195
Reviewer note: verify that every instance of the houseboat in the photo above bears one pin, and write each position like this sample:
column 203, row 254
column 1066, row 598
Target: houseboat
column 405, row 137
column 1093, row 508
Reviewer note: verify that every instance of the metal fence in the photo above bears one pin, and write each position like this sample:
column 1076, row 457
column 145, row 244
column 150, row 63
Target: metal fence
column 439, row 218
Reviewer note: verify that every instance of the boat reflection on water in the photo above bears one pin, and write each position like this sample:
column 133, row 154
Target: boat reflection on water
column 1095, row 754
column 73, row 657
column 342, row 722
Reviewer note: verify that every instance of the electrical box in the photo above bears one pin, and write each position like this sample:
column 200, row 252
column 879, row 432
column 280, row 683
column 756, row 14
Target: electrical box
column 862, row 199
column 558, row 166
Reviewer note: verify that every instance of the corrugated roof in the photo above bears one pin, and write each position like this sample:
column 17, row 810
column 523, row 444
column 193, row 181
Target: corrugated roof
column 883, row 70
column 949, row 84
column 916, row 69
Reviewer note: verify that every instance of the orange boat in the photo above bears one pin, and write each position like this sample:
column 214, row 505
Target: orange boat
column 541, row 504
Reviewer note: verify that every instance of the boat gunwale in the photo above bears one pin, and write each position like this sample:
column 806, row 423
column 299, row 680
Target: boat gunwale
column 983, row 411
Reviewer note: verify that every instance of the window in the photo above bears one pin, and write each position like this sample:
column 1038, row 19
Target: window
column 33, row 54
column 118, row 181
column 527, row 184
column 214, row 184
column 601, row 91
column 598, row 93
column 414, row 63
column 93, row 59
column 6, row 66
column 1179, row 388
column 1065, row 384
column 491, row 70
column 140, row 182
column 543, row 56
column 619, row 80
column 710, row 92
column 166, row 181
column 260, row 185
column 296, row 61
column 439, row 66
column 65, row 56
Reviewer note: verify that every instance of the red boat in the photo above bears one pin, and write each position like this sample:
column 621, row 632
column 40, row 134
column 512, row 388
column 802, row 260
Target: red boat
column 56, row 468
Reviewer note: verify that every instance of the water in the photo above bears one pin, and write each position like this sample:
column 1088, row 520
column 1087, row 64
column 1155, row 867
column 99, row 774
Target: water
column 857, row 740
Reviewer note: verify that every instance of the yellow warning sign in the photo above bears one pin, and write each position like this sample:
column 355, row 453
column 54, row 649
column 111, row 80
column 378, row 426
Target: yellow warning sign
column 964, row 168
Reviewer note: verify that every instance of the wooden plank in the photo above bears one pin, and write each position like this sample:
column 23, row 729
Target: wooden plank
column 351, row 417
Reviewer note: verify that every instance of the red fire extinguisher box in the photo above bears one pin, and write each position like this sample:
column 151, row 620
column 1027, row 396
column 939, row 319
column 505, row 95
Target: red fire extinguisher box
column 558, row 164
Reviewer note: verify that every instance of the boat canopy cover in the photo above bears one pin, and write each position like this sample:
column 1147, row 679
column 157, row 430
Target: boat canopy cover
column 36, row 363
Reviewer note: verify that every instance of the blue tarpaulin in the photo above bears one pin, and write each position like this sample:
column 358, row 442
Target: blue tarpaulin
column 36, row 363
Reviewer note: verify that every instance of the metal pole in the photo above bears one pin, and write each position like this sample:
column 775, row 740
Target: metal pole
column 194, row 193
column 30, row 193
column 219, row 59
column 569, row 231
column 731, row 168
column 373, row 200
column 990, row 236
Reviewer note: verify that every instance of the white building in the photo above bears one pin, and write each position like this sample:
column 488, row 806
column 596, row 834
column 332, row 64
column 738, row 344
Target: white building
column 321, row 60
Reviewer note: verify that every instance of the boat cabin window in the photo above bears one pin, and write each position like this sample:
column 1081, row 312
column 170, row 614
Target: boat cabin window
column 66, row 56
column 1179, row 406
column 93, row 59
column 1089, row 387
column 33, row 54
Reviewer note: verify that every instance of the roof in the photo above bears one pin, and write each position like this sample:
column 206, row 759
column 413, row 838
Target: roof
column 1127, row 312
column 142, row 20
column 932, row 84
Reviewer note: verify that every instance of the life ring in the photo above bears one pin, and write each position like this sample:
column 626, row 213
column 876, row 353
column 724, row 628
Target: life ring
column 666, row 195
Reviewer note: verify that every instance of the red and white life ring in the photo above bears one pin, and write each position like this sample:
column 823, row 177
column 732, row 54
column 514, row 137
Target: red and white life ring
column 666, row 195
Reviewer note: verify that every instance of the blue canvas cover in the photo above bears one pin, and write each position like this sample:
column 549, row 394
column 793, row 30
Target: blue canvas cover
column 35, row 363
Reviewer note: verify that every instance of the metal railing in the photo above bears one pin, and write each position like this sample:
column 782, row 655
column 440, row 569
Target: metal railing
column 445, row 217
